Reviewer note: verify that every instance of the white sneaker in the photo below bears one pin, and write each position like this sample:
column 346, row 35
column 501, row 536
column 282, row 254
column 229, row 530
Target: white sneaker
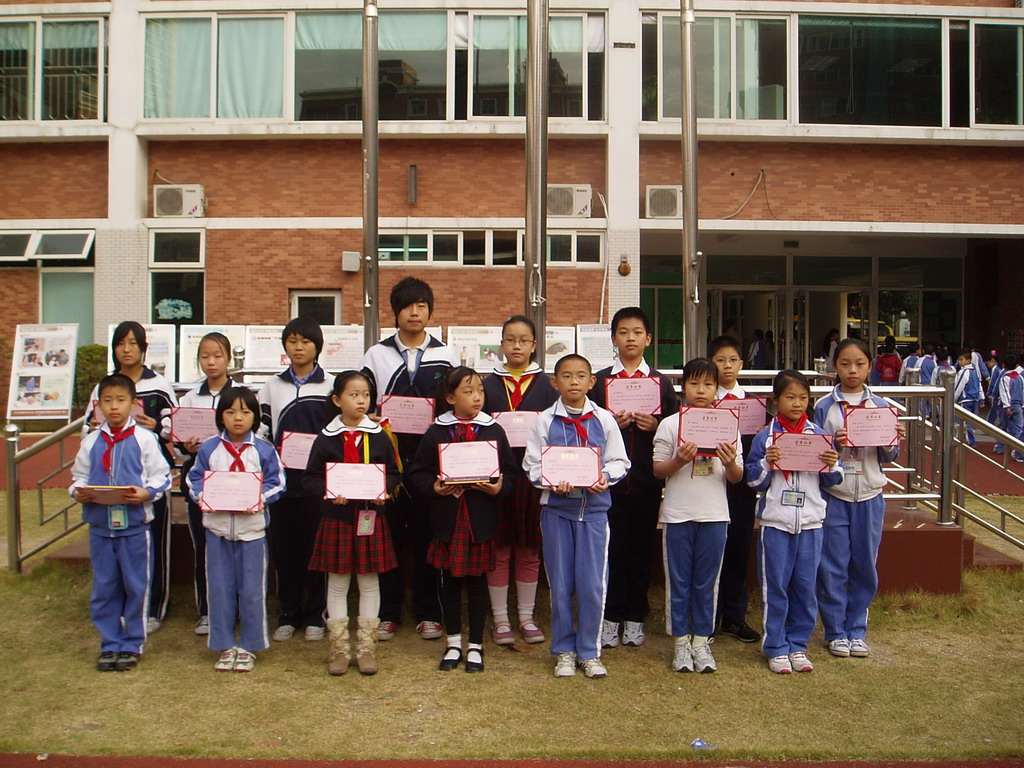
column 780, row 665
column 840, row 647
column 152, row 625
column 565, row 666
column 284, row 632
column 682, row 658
column 609, row 634
column 226, row 662
column 859, row 648
column 203, row 625
column 314, row 633
column 633, row 633
column 800, row 663
column 703, row 661
column 594, row 669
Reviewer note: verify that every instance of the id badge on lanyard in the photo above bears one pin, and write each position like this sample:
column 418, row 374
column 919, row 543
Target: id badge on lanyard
column 117, row 517
column 366, row 521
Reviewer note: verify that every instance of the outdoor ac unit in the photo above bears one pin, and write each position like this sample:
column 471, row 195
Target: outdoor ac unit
column 185, row 201
column 664, row 202
column 572, row 200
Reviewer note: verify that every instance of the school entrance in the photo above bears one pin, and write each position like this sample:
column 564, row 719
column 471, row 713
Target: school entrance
column 800, row 289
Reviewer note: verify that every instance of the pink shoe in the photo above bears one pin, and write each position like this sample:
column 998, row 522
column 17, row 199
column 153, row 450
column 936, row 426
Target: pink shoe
column 531, row 632
column 502, row 634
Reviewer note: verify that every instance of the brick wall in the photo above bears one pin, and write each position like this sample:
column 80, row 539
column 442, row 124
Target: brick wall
column 845, row 182
column 19, row 304
column 323, row 178
column 35, row 173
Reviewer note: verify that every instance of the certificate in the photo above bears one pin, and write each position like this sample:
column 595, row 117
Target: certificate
column 295, row 449
column 408, row 415
column 871, row 426
column 799, row 452
column 469, row 462
column 517, row 425
column 580, row 467
column 641, row 395
column 753, row 413
column 707, row 427
column 231, row 491
column 187, row 423
column 108, row 494
column 356, row 481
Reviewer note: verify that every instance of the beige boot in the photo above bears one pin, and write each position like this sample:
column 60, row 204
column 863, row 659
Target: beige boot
column 339, row 653
column 366, row 644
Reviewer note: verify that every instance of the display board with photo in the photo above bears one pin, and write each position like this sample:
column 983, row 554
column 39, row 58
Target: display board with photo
column 42, row 371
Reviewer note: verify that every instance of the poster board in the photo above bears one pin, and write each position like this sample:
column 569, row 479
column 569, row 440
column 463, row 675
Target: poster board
column 478, row 347
column 188, row 347
column 594, row 342
column 559, row 340
column 42, row 371
column 343, row 348
column 160, row 356
column 263, row 348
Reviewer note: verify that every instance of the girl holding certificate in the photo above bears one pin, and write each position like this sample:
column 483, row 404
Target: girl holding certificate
column 518, row 384
column 791, row 510
column 353, row 536
column 463, row 512
column 236, row 528
column 847, row 579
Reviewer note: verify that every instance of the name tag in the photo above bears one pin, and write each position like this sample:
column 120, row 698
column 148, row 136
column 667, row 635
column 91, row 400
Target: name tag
column 117, row 517
column 703, row 466
column 793, row 498
column 366, row 520
column 853, row 466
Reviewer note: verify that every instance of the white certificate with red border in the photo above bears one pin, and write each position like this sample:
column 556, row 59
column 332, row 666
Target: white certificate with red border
column 188, row 423
column 108, row 494
column 231, row 491
column 639, row 395
column 295, row 447
column 871, row 426
column 799, row 451
column 408, row 415
column 753, row 412
column 578, row 466
column 707, row 427
column 366, row 482
column 517, row 425
column 468, row 462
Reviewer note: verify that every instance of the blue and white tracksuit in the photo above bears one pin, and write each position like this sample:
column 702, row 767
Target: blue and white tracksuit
column 996, row 411
column 847, row 578
column 236, row 545
column 121, row 558
column 574, row 527
column 1011, row 396
column 789, row 543
column 967, row 393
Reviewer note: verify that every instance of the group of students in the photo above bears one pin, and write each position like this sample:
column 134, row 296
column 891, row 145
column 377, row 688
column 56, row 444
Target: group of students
column 819, row 533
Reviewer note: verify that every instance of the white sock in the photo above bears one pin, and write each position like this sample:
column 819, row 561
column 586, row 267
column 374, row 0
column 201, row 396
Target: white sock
column 499, row 603
column 699, row 640
column 526, row 597
column 454, row 647
column 476, row 648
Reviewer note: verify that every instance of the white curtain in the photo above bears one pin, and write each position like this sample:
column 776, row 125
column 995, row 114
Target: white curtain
column 74, row 35
column 177, row 68
column 565, row 34
column 250, row 68
column 328, row 32
column 409, row 31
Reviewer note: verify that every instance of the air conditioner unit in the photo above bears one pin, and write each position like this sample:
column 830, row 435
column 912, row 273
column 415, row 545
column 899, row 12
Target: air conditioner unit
column 570, row 200
column 664, row 202
column 186, row 201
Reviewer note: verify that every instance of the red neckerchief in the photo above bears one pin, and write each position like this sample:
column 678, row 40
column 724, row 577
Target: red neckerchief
column 798, row 429
column 236, row 453
column 581, row 430
column 515, row 396
column 463, row 432
column 624, row 374
column 118, row 436
column 350, row 444
column 730, row 396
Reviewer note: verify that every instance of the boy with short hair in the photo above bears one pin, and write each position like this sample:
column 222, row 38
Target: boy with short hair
column 118, row 454
column 633, row 515
column 574, row 521
column 967, row 388
column 292, row 402
column 411, row 363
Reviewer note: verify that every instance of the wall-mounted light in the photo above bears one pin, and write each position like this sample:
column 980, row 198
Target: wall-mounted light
column 624, row 267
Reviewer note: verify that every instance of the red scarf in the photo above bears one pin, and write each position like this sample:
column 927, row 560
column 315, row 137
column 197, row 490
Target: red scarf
column 730, row 396
column 798, row 429
column 118, row 436
column 463, row 432
column 350, row 445
column 515, row 395
column 236, row 453
column 624, row 374
column 581, row 430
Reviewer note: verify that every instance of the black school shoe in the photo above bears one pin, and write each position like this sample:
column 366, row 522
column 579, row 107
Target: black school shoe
column 107, row 662
column 447, row 664
column 741, row 631
column 475, row 666
column 126, row 660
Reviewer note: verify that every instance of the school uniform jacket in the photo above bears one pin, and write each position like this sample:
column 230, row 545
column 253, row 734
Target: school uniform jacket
column 639, row 444
column 995, row 376
column 257, row 456
column 373, row 443
column 829, row 413
column 1011, row 389
column 602, row 432
column 927, row 367
column 967, row 388
column 157, row 397
column 285, row 407
column 773, row 483
column 483, row 509
column 912, row 361
column 134, row 460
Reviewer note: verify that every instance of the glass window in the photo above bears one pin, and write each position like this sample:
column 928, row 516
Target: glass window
column 588, row 249
column 177, row 68
column 413, row 64
column 503, row 248
column 499, row 66
column 63, row 245
column 649, row 67
column 919, row 273
column 761, row 69
column 177, row 297
column 559, row 248
column 71, row 75
column 998, row 74
column 328, row 66
column 474, row 248
column 713, row 50
column 66, row 297
column 818, row 270
column 13, row 245
column 739, row 270
column 250, row 68
column 565, row 66
column 959, row 74
column 17, row 71
column 446, row 247
column 178, row 247
column 323, row 306
column 403, row 247
column 870, row 71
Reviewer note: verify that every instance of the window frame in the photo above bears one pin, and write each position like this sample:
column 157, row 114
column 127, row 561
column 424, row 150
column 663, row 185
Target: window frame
column 972, row 44
column 177, row 266
column 295, row 294
column 489, row 233
column 36, row 236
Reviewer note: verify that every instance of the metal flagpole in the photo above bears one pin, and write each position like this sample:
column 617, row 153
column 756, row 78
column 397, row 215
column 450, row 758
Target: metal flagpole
column 535, row 252
column 371, row 99
column 692, row 333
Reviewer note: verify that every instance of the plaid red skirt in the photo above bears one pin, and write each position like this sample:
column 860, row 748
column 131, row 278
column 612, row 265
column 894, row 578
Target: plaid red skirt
column 460, row 556
column 519, row 516
column 339, row 550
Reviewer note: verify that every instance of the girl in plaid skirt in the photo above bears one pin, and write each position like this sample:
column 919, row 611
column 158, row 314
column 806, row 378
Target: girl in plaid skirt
column 352, row 537
column 518, row 385
column 463, row 515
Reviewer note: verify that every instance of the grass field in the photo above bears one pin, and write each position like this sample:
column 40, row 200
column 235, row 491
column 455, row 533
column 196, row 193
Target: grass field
column 944, row 681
